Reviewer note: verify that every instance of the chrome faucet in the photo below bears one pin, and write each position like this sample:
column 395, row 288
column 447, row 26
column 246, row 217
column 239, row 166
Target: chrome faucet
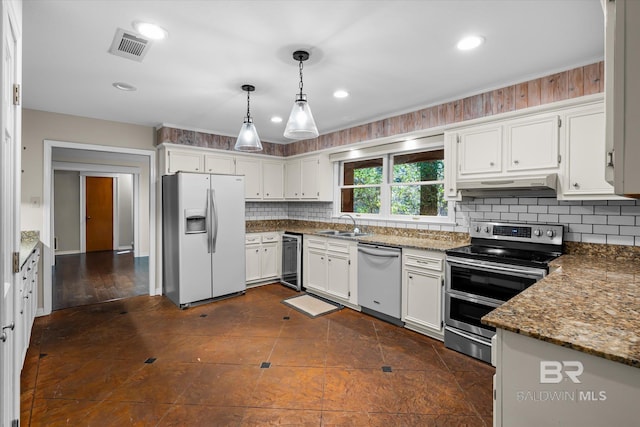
column 355, row 227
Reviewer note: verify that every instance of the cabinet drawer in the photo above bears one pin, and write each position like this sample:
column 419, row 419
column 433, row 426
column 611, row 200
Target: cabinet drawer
column 423, row 262
column 316, row 242
column 270, row 237
column 334, row 245
column 252, row 239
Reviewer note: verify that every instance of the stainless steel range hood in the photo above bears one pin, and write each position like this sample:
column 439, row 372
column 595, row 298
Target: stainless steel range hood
column 528, row 186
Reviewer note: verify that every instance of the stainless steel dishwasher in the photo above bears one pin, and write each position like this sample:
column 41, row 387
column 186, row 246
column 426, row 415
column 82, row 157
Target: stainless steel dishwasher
column 379, row 281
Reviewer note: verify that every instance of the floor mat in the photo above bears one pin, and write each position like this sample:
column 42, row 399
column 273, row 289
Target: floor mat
column 310, row 305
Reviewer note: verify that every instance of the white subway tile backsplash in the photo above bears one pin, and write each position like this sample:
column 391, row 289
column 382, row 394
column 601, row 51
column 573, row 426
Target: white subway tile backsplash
column 594, row 219
column 580, row 228
column 508, row 216
column 622, row 220
column 517, row 208
column 594, row 238
column 528, row 201
column 548, row 201
column 537, row 209
column 606, row 229
column 500, row 208
column 621, row 240
column 572, row 237
column 509, row 201
column 548, row 218
column 622, row 203
column 570, row 218
column 493, row 216
column 581, row 210
column 607, row 210
column 630, row 210
column 527, row 217
column 559, row 209
column 629, row 231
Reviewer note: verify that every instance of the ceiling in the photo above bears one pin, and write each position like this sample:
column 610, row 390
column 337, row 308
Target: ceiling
column 392, row 56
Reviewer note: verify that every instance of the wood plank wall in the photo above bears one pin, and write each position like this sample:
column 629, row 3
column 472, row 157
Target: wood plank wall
column 573, row 83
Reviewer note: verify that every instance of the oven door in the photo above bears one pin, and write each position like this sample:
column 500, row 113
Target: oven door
column 489, row 281
column 465, row 313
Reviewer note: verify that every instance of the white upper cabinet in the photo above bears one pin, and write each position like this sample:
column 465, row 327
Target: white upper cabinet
column 184, row 161
column 251, row 168
column 292, row 187
column 584, row 174
column 216, row 163
column 532, row 143
column 272, row 179
column 310, row 177
column 622, row 89
column 479, row 150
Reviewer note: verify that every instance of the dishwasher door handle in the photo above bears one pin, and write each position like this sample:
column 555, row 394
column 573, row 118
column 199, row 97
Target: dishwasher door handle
column 387, row 255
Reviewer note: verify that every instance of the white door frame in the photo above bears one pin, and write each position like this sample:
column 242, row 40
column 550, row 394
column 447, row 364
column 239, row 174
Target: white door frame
column 90, row 169
column 46, row 236
column 10, row 180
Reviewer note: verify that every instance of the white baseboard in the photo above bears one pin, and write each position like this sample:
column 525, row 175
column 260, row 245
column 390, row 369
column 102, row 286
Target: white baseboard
column 77, row 251
column 125, row 248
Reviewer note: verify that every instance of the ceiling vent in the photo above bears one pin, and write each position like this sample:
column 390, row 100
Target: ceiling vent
column 129, row 45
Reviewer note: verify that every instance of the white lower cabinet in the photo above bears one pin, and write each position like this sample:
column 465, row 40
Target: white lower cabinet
column 28, row 294
column 262, row 257
column 329, row 268
column 422, row 291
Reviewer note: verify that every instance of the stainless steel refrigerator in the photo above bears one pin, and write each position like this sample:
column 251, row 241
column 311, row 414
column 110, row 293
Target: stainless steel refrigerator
column 203, row 228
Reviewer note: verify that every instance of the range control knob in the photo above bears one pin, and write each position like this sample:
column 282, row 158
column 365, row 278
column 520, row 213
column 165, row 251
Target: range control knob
column 477, row 228
column 486, row 229
column 537, row 232
column 550, row 233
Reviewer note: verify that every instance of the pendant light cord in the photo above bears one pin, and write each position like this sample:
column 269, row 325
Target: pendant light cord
column 248, row 115
column 300, row 78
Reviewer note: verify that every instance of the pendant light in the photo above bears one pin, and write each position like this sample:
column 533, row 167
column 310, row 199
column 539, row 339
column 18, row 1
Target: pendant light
column 301, row 124
column 248, row 139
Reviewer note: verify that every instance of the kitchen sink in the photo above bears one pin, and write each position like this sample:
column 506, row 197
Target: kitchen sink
column 328, row 232
column 350, row 234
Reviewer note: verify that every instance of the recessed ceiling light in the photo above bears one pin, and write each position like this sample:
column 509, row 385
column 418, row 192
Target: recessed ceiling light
column 124, row 86
column 276, row 119
column 340, row 93
column 470, row 42
column 152, row 31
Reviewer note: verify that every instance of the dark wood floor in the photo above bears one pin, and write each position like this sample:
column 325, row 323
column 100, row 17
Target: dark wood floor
column 94, row 277
column 244, row 361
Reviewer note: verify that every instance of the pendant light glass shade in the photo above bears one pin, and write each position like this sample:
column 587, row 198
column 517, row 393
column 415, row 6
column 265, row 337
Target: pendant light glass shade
column 301, row 124
column 248, row 139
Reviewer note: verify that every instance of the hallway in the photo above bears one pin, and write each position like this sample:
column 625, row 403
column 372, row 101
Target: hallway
column 94, row 277
column 244, row 361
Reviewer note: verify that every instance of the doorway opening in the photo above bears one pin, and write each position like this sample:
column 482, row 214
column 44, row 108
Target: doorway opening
column 114, row 259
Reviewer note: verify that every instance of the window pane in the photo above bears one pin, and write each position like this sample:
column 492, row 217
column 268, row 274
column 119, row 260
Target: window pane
column 417, row 167
column 418, row 200
column 361, row 200
column 363, row 172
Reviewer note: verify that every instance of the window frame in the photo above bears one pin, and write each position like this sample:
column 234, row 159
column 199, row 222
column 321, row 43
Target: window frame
column 386, row 186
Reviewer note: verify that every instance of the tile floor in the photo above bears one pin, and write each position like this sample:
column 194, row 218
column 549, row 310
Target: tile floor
column 90, row 366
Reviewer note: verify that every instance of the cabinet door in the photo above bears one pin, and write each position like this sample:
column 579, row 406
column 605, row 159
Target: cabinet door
column 309, row 178
column 182, row 161
column 533, row 143
column 269, row 261
column 292, row 184
column 219, row 164
column 252, row 172
column 254, row 264
column 586, row 163
column 479, row 151
column 338, row 275
column 317, row 270
column 272, row 180
column 423, row 299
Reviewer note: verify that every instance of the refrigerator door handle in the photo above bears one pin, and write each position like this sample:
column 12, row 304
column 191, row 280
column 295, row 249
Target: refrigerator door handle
column 214, row 223
column 208, row 220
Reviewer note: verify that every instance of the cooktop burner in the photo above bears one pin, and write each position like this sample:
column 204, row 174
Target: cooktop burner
column 504, row 255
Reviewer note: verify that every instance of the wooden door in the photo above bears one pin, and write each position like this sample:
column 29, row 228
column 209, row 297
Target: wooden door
column 99, row 214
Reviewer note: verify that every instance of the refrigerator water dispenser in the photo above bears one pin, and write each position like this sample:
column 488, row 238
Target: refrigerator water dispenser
column 195, row 221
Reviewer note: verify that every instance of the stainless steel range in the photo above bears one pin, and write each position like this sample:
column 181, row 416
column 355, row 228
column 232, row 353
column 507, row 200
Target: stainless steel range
column 502, row 260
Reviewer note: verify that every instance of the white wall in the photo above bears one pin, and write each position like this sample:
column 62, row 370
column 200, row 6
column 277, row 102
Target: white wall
column 40, row 125
column 67, row 211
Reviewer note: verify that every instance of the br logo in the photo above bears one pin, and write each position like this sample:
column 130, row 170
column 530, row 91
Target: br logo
column 553, row 371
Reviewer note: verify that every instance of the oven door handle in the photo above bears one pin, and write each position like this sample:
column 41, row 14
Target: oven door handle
column 467, row 336
column 454, row 295
column 529, row 273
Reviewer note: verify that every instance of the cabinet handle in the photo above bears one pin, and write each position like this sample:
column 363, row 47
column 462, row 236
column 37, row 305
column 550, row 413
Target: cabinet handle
column 267, row 194
column 576, row 185
column 491, row 163
column 197, row 169
column 610, row 159
column 411, row 277
column 257, row 250
column 515, row 162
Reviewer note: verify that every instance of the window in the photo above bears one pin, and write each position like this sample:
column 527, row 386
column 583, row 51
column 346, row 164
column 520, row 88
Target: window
column 360, row 192
column 406, row 185
column 417, row 187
